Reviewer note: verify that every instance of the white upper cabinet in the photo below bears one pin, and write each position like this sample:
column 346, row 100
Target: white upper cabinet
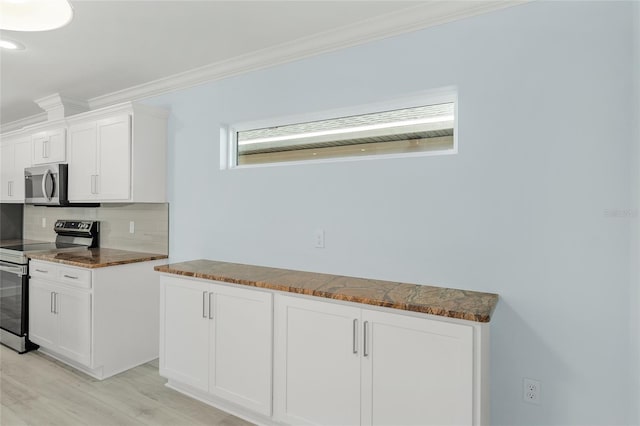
column 100, row 160
column 118, row 155
column 15, row 156
column 115, row 154
column 49, row 146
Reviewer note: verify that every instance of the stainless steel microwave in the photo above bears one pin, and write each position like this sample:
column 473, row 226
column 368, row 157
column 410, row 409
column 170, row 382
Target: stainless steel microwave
column 46, row 185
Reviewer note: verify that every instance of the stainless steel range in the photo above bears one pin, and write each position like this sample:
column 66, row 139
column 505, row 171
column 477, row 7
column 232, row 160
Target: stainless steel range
column 14, row 276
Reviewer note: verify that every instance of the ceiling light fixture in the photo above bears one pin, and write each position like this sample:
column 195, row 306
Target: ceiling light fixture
column 34, row 15
column 10, row 45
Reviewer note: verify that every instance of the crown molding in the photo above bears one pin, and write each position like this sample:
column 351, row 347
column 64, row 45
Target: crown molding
column 426, row 14
column 23, row 122
column 418, row 17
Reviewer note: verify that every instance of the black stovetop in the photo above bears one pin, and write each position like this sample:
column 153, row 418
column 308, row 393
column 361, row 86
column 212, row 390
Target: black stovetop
column 40, row 246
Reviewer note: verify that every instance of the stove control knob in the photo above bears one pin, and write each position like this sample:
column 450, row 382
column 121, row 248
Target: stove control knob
column 58, row 224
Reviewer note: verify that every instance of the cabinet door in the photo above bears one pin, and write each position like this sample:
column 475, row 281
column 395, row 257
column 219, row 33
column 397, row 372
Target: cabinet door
column 184, row 331
column 43, row 326
column 317, row 362
column 416, row 371
column 49, row 146
column 83, row 157
column 7, row 162
column 22, row 160
column 241, row 347
column 73, row 309
column 114, row 158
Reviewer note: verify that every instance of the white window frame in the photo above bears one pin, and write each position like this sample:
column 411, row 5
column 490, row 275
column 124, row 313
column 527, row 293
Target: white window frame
column 228, row 133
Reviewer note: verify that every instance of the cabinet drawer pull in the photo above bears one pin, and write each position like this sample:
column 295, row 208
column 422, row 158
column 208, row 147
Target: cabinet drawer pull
column 70, row 276
column 54, row 303
column 355, row 336
column 41, row 271
column 366, row 327
column 204, row 304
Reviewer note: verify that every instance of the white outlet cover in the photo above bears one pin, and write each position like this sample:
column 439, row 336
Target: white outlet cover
column 531, row 391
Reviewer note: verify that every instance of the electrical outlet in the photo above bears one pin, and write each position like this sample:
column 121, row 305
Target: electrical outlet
column 531, row 391
column 44, row 222
column 318, row 237
column 132, row 227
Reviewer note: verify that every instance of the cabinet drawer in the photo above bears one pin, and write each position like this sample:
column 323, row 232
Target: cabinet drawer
column 74, row 276
column 43, row 270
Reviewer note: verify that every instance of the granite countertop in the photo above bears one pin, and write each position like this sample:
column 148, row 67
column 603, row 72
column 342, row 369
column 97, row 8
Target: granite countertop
column 447, row 302
column 96, row 257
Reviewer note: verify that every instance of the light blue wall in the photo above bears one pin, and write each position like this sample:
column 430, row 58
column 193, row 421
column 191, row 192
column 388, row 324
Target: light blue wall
column 634, row 298
column 527, row 209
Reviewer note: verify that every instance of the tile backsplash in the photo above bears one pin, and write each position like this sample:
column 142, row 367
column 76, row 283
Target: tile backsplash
column 151, row 230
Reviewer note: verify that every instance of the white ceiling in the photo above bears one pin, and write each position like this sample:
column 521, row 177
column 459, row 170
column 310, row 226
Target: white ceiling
column 112, row 46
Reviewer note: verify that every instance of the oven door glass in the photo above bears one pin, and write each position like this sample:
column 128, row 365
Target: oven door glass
column 13, row 298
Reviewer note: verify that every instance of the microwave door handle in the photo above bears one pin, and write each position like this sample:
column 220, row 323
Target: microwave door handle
column 45, row 178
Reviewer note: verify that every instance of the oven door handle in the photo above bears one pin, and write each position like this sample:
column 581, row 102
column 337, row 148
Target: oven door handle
column 18, row 270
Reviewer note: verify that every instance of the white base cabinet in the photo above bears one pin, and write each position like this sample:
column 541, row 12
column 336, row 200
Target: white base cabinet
column 334, row 363
column 370, row 367
column 217, row 339
column 101, row 321
column 61, row 319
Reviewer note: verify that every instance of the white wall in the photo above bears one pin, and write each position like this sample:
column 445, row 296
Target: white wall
column 530, row 208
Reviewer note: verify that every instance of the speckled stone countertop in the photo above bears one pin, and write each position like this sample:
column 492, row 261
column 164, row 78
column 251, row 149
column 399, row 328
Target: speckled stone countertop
column 97, row 257
column 447, row 302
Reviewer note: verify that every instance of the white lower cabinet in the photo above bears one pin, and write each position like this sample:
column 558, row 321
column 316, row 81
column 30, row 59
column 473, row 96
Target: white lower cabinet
column 217, row 339
column 317, row 363
column 101, row 321
column 416, row 371
column 334, row 363
column 369, row 367
column 61, row 319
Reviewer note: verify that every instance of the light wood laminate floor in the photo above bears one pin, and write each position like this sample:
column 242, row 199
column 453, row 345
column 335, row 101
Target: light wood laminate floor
column 37, row 390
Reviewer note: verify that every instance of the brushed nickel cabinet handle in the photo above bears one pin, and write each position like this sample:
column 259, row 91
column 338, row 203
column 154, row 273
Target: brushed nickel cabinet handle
column 355, row 336
column 210, row 306
column 70, row 276
column 366, row 327
column 41, row 271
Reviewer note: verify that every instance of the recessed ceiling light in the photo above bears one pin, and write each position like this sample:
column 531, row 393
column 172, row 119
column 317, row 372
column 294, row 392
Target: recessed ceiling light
column 34, row 15
column 11, row 45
